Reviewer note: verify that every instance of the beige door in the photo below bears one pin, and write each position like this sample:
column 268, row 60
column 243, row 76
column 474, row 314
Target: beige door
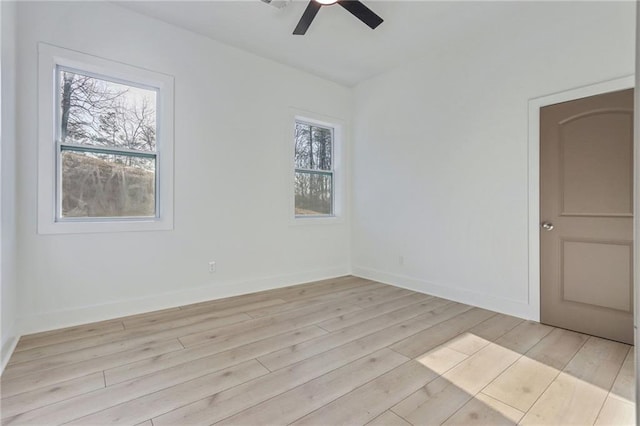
column 586, row 212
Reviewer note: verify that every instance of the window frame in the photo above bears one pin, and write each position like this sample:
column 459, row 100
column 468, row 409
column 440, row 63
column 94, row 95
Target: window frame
column 337, row 161
column 51, row 59
column 330, row 172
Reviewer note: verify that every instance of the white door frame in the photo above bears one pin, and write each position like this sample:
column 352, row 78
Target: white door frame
column 535, row 104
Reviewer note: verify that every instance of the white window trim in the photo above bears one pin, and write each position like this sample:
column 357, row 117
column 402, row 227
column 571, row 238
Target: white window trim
column 338, row 162
column 48, row 58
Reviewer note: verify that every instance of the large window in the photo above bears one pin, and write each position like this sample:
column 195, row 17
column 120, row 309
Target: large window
column 314, row 175
column 106, row 145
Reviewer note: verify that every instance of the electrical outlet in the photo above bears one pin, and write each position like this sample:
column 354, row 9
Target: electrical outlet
column 212, row 267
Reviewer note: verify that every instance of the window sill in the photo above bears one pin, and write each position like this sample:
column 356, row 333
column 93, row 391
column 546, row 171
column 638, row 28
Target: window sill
column 89, row 227
column 316, row 220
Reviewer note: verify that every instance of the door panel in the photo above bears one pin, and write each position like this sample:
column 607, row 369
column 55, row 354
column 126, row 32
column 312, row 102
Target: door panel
column 586, row 193
column 591, row 165
column 585, row 265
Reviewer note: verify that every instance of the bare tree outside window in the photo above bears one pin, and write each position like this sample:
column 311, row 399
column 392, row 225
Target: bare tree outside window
column 107, row 147
column 313, row 161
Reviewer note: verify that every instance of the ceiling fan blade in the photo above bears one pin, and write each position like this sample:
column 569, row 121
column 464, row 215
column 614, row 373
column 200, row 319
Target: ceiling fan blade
column 307, row 17
column 362, row 12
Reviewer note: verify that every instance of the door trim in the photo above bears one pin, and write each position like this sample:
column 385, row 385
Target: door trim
column 533, row 222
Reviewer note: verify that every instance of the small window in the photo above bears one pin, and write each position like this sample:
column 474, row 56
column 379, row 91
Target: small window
column 314, row 170
column 106, row 147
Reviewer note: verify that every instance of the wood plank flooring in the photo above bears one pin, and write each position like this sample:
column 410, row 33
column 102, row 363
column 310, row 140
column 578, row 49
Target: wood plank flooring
column 345, row 351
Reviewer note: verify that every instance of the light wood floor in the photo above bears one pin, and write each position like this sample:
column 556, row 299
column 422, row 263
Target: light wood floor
column 343, row 351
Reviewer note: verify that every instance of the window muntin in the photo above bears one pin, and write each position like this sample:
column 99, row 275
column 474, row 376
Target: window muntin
column 106, row 148
column 314, row 173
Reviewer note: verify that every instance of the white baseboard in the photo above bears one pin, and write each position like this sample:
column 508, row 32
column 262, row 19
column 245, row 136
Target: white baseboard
column 493, row 303
column 7, row 350
column 68, row 318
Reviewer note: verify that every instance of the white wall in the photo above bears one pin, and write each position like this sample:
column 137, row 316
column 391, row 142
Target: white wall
column 440, row 149
column 232, row 130
column 8, row 278
column 439, row 163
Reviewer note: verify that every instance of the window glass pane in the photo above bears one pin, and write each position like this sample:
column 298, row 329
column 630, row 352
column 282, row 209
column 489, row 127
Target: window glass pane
column 107, row 185
column 303, row 146
column 313, row 194
column 313, row 147
column 103, row 113
column 321, row 153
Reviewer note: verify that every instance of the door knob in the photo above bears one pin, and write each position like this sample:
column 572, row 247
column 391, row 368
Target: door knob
column 548, row 226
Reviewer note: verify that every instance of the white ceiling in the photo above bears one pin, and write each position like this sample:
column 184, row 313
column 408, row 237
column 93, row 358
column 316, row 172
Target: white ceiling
column 337, row 46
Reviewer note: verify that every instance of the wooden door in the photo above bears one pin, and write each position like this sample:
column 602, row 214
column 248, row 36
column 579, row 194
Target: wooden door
column 586, row 212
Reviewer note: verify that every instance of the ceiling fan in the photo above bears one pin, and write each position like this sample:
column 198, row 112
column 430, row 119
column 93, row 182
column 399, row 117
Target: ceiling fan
column 356, row 8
